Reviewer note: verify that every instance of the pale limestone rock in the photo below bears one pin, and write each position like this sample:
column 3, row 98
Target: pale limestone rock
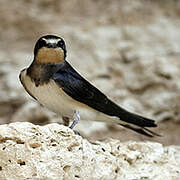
column 129, row 49
column 54, row 152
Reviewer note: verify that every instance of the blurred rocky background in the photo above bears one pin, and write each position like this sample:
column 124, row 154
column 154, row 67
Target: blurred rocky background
column 130, row 49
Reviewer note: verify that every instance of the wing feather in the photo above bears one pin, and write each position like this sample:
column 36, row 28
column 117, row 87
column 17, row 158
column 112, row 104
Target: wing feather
column 81, row 90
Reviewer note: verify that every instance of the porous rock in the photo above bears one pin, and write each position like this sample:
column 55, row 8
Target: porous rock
column 129, row 50
column 53, row 152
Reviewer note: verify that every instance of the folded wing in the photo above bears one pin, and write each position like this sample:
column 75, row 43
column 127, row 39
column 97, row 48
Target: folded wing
column 81, row 90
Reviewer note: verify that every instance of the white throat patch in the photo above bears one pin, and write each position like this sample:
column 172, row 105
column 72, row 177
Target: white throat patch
column 52, row 41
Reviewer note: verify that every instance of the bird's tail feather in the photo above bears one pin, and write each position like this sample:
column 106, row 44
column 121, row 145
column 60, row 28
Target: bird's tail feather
column 141, row 130
column 134, row 122
column 129, row 120
column 138, row 123
column 128, row 117
column 136, row 119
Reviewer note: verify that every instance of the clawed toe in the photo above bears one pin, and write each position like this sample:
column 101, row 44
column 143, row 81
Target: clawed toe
column 76, row 132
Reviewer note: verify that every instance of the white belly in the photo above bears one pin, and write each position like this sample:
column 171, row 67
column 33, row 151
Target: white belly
column 54, row 98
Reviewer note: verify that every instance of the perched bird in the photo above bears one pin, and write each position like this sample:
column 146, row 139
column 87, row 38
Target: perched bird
column 55, row 84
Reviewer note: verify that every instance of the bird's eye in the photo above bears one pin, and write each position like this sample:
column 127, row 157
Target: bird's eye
column 61, row 44
column 42, row 42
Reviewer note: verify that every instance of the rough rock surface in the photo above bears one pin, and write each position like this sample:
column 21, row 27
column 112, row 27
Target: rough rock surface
column 54, row 152
column 128, row 49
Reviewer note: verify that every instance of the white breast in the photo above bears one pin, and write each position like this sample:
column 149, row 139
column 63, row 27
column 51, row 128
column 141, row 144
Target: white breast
column 54, row 98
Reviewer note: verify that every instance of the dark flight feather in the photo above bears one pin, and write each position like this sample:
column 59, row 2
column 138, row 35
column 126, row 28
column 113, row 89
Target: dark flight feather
column 141, row 130
column 81, row 90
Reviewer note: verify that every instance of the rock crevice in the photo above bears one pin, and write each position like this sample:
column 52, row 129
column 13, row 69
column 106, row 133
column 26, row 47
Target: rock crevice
column 53, row 151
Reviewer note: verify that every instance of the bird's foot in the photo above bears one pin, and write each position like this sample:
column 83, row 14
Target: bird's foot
column 76, row 132
column 76, row 118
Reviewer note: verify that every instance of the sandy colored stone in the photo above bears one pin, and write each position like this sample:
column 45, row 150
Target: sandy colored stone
column 129, row 49
column 54, row 152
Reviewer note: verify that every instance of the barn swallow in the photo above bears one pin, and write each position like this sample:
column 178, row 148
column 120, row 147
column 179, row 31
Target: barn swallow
column 55, row 84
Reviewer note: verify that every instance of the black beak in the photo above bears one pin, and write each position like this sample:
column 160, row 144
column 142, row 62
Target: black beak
column 51, row 45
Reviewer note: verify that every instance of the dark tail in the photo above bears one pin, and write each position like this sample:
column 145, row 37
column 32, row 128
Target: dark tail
column 130, row 120
column 138, row 123
column 141, row 130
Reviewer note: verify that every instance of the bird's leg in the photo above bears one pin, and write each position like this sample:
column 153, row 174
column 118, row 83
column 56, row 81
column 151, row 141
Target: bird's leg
column 76, row 118
column 66, row 121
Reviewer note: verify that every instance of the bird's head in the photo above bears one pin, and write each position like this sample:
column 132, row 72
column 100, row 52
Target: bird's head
column 50, row 49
